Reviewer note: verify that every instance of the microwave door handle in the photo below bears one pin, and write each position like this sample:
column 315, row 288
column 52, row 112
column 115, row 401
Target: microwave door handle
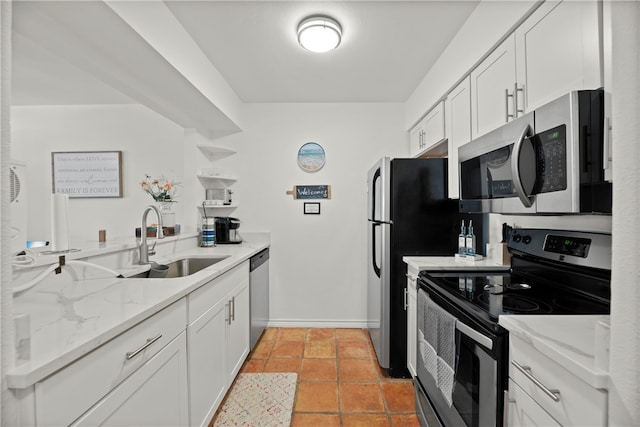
column 526, row 199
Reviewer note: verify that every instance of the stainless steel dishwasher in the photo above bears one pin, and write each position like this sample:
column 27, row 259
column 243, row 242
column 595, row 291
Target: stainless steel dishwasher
column 259, row 294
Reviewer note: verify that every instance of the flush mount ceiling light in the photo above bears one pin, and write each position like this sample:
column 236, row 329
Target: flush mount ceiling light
column 319, row 33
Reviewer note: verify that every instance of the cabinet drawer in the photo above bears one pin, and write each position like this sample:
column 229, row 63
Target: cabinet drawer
column 201, row 300
column 521, row 409
column 65, row 395
column 578, row 403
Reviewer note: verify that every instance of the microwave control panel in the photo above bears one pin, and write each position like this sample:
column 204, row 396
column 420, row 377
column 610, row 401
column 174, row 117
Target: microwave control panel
column 552, row 160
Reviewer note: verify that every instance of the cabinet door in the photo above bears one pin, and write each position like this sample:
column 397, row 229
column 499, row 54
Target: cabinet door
column 433, row 125
column 412, row 319
column 522, row 411
column 558, row 51
column 239, row 329
column 416, row 138
column 208, row 381
column 155, row 395
column 492, row 86
column 458, row 115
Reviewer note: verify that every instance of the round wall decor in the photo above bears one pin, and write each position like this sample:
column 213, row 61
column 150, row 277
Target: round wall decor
column 311, row 157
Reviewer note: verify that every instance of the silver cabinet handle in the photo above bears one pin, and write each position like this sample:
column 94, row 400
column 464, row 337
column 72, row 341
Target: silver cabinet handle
column 606, row 157
column 507, row 95
column 131, row 354
column 526, row 371
column 516, row 110
column 228, row 310
column 406, row 305
column 233, row 310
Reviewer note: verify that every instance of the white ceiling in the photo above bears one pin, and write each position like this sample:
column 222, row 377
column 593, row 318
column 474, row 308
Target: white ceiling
column 387, row 48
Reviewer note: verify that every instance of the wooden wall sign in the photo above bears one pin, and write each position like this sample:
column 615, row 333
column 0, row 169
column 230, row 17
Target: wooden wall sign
column 310, row 192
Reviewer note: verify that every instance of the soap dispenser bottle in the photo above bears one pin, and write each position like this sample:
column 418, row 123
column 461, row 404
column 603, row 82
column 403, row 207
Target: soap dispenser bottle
column 462, row 238
column 471, row 240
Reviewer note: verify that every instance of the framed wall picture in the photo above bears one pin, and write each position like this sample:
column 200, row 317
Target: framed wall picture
column 311, row 157
column 86, row 174
column 312, row 208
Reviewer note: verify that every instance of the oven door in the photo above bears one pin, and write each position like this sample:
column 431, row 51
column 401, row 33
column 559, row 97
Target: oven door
column 498, row 170
column 478, row 381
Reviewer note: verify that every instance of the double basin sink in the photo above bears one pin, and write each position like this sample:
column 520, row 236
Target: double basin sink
column 179, row 268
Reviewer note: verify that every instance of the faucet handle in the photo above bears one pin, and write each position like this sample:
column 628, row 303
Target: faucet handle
column 152, row 249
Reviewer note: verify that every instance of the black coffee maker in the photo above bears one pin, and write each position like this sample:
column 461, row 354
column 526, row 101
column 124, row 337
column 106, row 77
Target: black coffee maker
column 227, row 230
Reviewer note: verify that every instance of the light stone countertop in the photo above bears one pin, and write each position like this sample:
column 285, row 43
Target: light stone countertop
column 441, row 263
column 580, row 343
column 72, row 313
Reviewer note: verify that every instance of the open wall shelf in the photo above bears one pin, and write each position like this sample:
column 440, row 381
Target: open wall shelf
column 215, row 153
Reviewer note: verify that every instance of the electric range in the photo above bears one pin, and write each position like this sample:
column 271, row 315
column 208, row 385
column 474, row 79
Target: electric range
column 552, row 272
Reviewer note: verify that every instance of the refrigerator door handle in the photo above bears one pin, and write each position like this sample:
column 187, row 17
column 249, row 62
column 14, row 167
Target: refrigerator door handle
column 376, row 268
column 375, row 177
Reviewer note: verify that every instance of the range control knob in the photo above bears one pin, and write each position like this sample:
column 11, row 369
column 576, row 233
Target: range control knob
column 517, row 238
column 526, row 240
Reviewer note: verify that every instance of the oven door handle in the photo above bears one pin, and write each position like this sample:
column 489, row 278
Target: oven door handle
column 474, row 335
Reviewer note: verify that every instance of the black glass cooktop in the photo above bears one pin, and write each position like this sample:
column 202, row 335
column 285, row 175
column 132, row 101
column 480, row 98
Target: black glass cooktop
column 505, row 293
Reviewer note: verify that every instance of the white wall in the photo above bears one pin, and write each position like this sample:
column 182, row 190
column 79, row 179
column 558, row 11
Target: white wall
column 149, row 144
column 318, row 262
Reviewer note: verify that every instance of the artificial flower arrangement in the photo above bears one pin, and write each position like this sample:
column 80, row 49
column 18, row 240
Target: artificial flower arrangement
column 161, row 189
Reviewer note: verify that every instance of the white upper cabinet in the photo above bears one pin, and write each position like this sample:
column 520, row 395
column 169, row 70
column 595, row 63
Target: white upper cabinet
column 492, row 86
column 458, row 128
column 426, row 136
column 554, row 51
column 557, row 51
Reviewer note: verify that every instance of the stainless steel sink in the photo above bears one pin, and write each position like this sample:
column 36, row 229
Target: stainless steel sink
column 179, row 268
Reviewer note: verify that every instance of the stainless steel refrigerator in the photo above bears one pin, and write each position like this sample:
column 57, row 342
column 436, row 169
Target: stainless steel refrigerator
column 409, row 214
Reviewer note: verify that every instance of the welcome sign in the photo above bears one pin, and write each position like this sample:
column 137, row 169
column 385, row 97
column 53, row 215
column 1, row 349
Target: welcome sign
column 310, row 192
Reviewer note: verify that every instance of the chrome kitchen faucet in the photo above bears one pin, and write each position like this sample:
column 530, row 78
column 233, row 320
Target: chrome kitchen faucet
column 144, row 248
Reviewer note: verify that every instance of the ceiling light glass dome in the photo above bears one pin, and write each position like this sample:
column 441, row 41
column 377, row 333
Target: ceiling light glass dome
column 319, row 34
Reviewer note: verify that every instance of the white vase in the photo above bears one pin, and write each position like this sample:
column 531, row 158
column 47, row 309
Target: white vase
column 168, row 216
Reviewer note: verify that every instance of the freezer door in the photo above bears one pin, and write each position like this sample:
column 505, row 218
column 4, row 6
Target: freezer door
column 378, row 282
column 378, row 189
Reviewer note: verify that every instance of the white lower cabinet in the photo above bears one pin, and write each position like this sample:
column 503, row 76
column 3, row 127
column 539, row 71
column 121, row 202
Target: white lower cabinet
column 172, row 369
column 218, row 340
column 146, row 365
column 239, row 329
column 543, row 393
column 155, row 395
column 207, row 363
column 412, row 319
column 522, row 410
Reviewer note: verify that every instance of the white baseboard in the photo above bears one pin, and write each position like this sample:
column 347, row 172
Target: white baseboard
column 293, row 323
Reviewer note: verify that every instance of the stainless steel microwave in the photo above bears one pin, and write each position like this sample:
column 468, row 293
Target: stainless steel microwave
column 549, row 161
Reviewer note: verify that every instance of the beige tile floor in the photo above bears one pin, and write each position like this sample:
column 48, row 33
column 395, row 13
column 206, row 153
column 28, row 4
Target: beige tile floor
column 339, row 380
